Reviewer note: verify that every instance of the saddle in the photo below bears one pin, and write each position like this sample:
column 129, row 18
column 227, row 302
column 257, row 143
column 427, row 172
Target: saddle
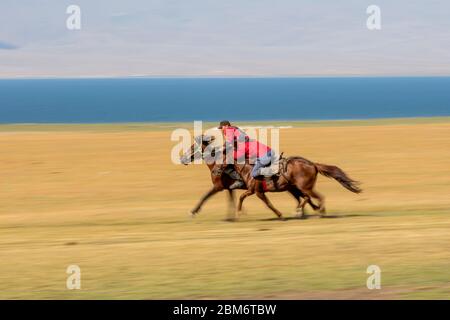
column 268, row 181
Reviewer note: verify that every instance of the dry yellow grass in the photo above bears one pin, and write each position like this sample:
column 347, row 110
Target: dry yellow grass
column 112, row 202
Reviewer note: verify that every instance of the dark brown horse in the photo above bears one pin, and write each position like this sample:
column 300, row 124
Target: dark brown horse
column 222, row 181
column 298, row 172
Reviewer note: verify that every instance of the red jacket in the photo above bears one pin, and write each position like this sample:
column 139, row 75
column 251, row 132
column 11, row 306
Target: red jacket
column 243, row 145
column 233, row 134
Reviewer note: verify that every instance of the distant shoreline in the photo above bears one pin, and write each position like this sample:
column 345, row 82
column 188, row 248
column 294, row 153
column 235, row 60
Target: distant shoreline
column 231, row 76
column 161, row 126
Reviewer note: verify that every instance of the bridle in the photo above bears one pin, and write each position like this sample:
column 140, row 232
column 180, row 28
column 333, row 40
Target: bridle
column 198, row 148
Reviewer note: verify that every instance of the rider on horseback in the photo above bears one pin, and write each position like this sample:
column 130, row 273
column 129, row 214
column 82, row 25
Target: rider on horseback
column 245, row 148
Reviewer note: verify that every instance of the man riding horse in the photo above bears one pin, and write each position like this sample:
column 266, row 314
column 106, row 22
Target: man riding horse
column 239, row 147
column 298, row 175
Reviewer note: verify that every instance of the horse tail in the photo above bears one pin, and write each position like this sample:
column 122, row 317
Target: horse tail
column 339, row 175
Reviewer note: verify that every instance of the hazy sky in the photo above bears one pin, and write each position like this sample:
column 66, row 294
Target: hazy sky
column 224, row 37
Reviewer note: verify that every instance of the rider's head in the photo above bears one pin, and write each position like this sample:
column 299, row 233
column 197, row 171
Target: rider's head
column 224, row 124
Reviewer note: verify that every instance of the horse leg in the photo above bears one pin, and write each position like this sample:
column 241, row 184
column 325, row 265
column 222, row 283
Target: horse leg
column 302, row 201
column 297, row 195
column 231, row 202
column 315, row 207
column 307, row 188
column 314, row 194
column 301, row 207
column 205, row 197
column 308, row 200
column 241, row 200
column 264, row 198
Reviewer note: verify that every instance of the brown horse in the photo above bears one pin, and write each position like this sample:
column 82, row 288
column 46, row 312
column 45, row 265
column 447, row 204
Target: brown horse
column 222, row 181
column 298, row 172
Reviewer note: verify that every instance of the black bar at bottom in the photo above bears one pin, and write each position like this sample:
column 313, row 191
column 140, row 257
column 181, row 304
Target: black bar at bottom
column 226, row 309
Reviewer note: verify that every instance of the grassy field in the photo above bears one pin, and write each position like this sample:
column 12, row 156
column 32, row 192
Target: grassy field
column 108, row 199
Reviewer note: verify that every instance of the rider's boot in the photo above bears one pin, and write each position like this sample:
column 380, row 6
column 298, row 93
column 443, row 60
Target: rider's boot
column 237, row 184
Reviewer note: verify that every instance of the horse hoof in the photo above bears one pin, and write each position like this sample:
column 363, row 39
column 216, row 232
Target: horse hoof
column 300, row 215
column 192, row 214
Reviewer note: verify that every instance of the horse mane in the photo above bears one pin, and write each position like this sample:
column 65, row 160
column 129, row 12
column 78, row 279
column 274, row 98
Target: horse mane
column 204, row 139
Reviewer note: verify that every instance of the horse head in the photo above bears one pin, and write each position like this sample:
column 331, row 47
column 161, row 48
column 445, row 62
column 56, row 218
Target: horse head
column 196, row 149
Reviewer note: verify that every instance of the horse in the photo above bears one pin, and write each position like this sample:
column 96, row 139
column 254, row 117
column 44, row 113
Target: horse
column 220, row 183
column 224, row 181
column 295, row 171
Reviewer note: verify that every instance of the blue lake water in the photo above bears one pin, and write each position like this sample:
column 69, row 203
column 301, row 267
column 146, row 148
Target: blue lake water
column 187, row 99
